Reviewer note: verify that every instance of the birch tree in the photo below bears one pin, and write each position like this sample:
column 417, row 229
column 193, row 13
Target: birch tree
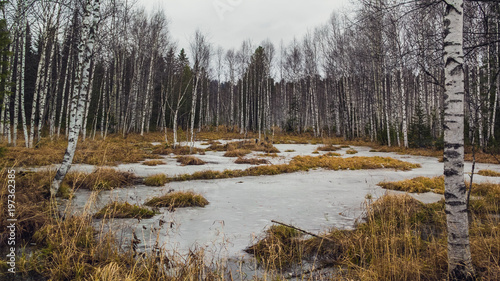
column 459, row 255
column 80, row 89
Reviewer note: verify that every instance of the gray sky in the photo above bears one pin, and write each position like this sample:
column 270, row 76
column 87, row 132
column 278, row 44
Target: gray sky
column 229, row 22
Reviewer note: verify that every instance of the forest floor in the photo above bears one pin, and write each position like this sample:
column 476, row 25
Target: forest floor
column 171, row 243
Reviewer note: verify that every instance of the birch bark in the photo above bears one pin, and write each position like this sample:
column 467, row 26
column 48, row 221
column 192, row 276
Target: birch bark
column 85, row 49
column 459, row 255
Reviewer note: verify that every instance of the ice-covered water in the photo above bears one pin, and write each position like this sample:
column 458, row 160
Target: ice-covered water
column 241, row 208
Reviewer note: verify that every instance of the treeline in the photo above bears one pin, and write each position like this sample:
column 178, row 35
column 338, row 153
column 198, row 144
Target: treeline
column 377, row 74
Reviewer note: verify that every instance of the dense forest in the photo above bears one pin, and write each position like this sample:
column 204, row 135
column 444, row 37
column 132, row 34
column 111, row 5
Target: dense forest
column 376, row 74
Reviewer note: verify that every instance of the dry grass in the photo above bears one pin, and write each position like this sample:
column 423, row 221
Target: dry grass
column 178, row 150
column 488, row 173
column 400, row 238
column 124, row 210
column 279, row 248
column 327, row 147
column 178, row 199
column 156, row 180
column 251, row 161
column 237, row 153
column 190, row 160
column 304, row 163
column 351, row 151
column 101, row 179
column 417, row 185
column 110, row 152
column 247, row 145
column 153, row 163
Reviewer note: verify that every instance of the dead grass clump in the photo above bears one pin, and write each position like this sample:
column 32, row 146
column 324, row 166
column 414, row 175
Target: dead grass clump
column 279, row 248
column 153, row 163
column 101, row 179
column 156, row 180
column 352, row 163
column 122, row 210
column 190, row 160
column 417, row 185
column 251, row 161
column 178, row 199
column 328, row 147
column 488, row 173
column 237, row 153
column 178, row 150
column 351, row 151
column 263, row 146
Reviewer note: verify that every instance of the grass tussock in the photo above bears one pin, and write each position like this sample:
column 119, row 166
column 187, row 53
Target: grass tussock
column 153, row 163
column 123, row 210
column 237, row 153
column 327, row 147
column 262, row 146
column 251, row 161
column 488, row 173
column 279, row 248
column 351, row 151
column 101, row 179
column 178, row 150
column 156, row 180
column 190, row 160
column 417, row 185
column 178, row 199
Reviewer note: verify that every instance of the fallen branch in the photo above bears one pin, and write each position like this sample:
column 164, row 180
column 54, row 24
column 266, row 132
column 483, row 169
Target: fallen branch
column 304, row 231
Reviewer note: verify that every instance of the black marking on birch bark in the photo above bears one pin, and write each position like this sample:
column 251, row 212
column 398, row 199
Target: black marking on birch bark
column 460, row 272
column 455, row 203
column 462, row 245
column 451, row 60
column 447, row 212
column 452, row 154
column 448, row 195
column 456, row 236
column 457, row 70
column 453, row 145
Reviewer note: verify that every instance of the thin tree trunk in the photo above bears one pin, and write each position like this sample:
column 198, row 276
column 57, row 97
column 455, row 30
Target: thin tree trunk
column 459, row 255
column 85, row 48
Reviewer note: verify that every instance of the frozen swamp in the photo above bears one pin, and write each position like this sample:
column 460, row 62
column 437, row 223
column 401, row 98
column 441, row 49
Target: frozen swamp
column 241, row 209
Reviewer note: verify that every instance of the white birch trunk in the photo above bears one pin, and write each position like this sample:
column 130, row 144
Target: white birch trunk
column 459, row 255
column 85, row 49
column 403, row 107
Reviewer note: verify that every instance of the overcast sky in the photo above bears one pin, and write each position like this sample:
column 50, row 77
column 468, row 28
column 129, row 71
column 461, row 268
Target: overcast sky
column 229, row 22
